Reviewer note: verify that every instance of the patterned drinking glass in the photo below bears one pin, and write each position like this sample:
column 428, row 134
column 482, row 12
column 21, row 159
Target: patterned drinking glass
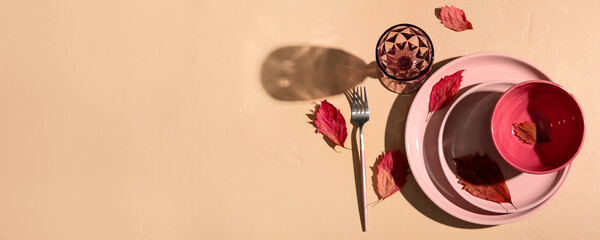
column 404, row 58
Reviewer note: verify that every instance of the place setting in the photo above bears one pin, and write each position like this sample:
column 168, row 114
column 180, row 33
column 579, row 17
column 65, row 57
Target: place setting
column 490, row 137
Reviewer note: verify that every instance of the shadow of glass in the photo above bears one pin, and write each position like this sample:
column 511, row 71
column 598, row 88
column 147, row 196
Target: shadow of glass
column 296, row 73
column 395, row 139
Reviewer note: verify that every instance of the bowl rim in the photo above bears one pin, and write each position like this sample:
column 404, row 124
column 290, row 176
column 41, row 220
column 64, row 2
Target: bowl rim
column 503, row 98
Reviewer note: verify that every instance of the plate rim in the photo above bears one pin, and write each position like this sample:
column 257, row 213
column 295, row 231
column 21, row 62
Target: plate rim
column 456, row 212
column 559, row 178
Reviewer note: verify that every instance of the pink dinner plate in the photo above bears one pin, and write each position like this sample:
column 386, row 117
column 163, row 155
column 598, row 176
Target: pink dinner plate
column 421, row 136
column 465, row 130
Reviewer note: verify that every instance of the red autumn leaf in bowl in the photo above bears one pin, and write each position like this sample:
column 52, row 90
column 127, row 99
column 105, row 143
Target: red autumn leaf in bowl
column 482, row 178
column 454, row 18
column 330, row 122
column 526, row 131
column 533, row 133
column 443, row 91
column 391, row 173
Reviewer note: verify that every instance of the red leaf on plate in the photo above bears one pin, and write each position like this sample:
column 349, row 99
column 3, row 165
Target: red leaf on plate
column 526, row 131
column 391, row 173
column 482, row 178
column 330, row 122
column 454, row 18
column 443, row 91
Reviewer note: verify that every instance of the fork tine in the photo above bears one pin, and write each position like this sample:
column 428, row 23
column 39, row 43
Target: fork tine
column 354, row 105
column 365, row 99
column 359, row 99
column 362, row 100
column 354, row 101
column 348, row 95
column 357, row 96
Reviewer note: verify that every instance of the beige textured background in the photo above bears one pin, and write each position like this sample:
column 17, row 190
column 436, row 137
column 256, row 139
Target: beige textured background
column 147, row 119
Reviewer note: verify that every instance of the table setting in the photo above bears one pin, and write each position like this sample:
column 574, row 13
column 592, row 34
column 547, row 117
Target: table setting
column 427, row 154
column 299, row 119
column 479, row 126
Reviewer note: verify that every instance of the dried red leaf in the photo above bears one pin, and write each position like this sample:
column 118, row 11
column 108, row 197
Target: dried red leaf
column 529, row 133
column 391, row 173
column 330, row 122
column 454, row 18
column 444, row 90
column 482, row 178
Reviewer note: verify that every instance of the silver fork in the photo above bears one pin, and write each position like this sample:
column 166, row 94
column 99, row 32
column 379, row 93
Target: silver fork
column 360, row 116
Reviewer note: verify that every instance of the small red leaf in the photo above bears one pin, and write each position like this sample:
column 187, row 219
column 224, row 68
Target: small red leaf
column 482, row 178
column 391, row 173
column 444, row 90
column 454, row 18
column 526, row 132
column 330, row 122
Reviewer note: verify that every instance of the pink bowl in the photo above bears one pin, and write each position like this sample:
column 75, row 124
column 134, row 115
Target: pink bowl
column 557, row 115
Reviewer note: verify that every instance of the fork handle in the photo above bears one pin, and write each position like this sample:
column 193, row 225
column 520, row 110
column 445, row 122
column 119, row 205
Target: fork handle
column 363, row 180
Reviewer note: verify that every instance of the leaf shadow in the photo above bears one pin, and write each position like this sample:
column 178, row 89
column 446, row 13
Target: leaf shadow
column 437, row 12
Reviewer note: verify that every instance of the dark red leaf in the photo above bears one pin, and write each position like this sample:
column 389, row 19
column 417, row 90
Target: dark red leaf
column 444, row 90
column 391, row 173
column 454, row 18
column 330, row 122
column 482, row 178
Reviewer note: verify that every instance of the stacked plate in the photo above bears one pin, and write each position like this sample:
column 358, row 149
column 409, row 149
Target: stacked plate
column 463, row 128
